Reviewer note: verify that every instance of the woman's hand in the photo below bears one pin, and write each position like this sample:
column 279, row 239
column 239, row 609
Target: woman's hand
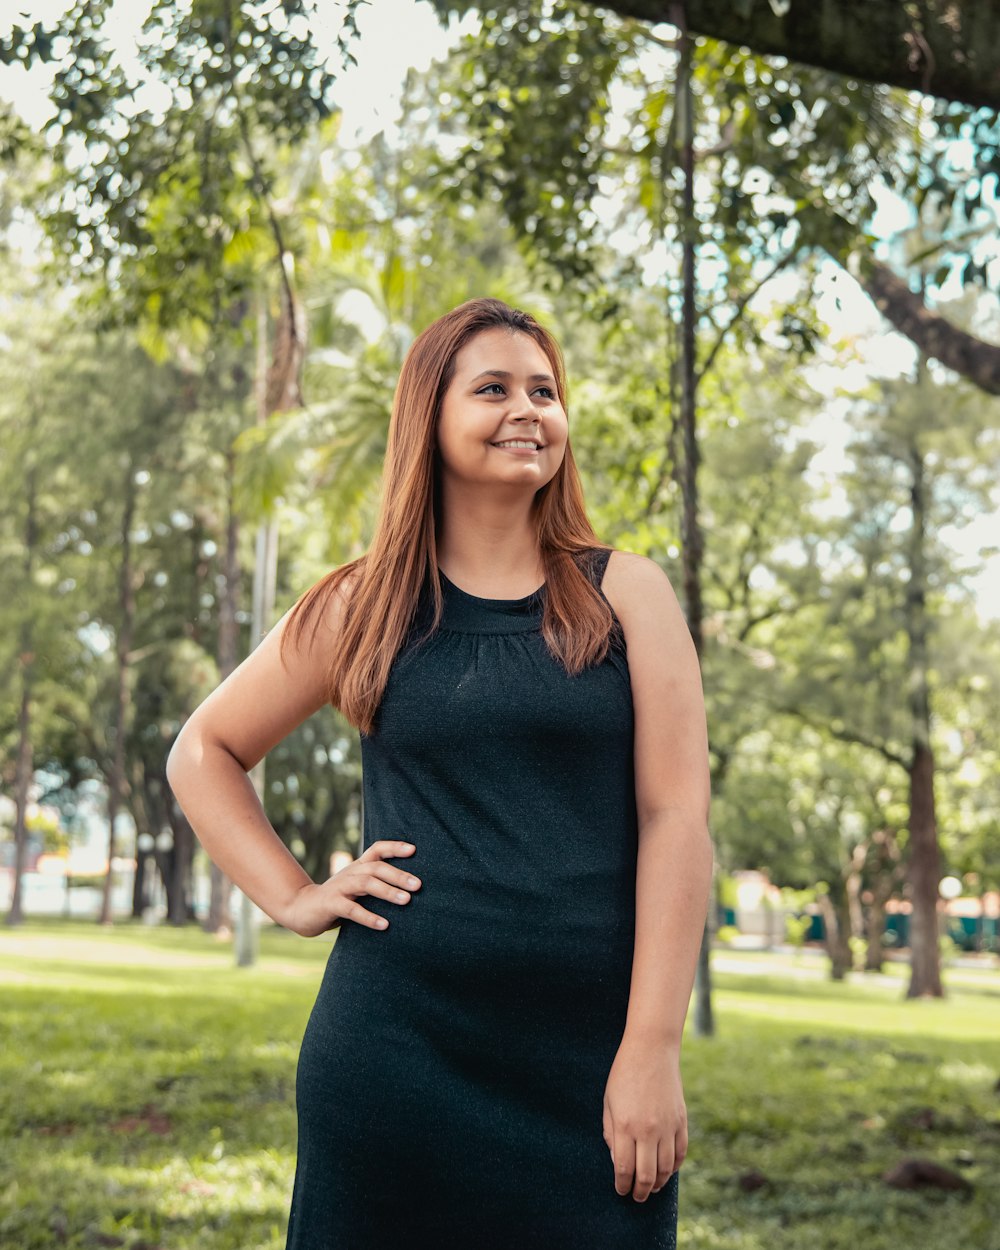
column 317, row 908
column 645, row 1118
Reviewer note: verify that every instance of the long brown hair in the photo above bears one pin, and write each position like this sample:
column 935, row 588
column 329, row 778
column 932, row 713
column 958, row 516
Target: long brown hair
column 380, row 606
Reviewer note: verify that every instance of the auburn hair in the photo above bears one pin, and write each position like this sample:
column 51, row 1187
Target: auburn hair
column 386, row 582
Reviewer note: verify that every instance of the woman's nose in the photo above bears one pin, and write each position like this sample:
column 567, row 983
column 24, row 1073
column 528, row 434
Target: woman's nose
column 524, row 407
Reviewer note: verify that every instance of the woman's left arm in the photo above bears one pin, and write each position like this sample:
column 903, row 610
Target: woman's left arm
column 645, row 1118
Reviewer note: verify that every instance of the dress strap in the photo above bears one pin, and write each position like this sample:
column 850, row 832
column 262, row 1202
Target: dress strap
column 593, row 562
column 599, row 563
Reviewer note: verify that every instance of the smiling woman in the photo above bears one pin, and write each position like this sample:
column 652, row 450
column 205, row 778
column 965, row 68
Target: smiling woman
column 499, row 442
column 493, row 1053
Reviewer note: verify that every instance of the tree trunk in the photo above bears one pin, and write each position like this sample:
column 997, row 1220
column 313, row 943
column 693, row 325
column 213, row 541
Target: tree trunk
column 691, row 538
column 22, row 782
column 140, row 814
column 179, row 908
column 140, row 881
column 25, row 754
column 846, row 954
column 874, row 928
column 140, row 885
column 924, row 857
column 852, row 891
column 220, row 917
column 885, row 875
column 836, row 922
column 280, row 384
column 175, row 866
column 938, row 47
column 925, row 874
column 126, row 620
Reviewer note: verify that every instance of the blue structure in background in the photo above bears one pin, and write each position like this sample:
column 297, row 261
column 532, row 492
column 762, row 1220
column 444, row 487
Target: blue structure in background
column 969, row 933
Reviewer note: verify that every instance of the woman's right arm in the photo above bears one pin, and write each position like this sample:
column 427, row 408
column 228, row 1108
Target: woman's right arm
column 248, row 714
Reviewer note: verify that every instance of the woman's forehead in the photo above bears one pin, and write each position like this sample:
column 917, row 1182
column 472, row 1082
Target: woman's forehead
column 502, row 351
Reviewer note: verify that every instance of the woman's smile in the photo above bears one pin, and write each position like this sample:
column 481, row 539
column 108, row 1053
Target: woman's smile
column 519, row 447
column 504, row 396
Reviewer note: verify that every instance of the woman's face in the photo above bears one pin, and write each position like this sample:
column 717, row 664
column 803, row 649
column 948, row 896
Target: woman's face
column 502, row 390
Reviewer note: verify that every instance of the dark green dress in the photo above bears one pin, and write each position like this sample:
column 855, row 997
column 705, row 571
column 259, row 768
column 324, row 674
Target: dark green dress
column 451, row 1078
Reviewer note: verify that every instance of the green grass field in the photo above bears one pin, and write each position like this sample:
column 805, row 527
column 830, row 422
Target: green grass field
column 147, row 1098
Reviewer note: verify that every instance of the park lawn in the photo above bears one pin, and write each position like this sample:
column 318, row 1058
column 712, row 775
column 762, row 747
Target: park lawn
column 147, row 1099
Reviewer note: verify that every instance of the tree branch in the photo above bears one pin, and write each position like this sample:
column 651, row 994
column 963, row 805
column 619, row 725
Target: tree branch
column 738, row 307
column 933, row 334
column 847, row 735
column 939, row 47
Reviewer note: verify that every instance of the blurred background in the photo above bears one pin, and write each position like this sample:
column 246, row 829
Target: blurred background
column 766, row 236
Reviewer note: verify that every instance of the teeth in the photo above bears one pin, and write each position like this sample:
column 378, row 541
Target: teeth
column 516, row 442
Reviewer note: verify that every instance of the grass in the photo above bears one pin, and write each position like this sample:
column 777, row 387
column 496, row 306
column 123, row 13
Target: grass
column 147, row 1098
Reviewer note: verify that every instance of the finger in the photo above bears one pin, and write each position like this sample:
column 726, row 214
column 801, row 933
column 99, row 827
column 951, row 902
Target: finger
column 664, row 1164
column 384, row 848
column 377, row 887
column 645, row 1168
column 680, row 1145
column 624, row 1157
column 378, row 870
column 399, row 877
column 363, row 916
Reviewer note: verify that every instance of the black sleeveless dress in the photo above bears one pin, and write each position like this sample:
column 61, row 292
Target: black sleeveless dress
column 450, row 1083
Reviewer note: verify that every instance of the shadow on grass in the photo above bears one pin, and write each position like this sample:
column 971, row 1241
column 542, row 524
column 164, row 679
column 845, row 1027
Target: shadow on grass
column 235, row 1202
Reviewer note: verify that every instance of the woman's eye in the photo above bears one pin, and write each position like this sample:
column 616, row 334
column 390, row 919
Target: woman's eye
column 547, row 389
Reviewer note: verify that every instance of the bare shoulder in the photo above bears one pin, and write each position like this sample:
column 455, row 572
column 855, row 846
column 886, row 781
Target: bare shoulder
column 330, row 618
column 637, row 588
column 275, row 688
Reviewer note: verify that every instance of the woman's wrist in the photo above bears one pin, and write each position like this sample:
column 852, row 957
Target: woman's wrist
column 655, row 1036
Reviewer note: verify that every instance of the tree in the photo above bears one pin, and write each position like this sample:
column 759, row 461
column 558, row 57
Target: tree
column 939, row 47
column 820, row 143
column 923, row 460
column 34, row 478
column 171, row 202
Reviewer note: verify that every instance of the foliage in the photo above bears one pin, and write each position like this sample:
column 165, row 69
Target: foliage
column 542, row 160
column 791, row 161
column 167, row 164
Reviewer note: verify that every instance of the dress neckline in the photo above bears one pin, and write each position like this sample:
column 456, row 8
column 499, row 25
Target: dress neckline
column 524, row 599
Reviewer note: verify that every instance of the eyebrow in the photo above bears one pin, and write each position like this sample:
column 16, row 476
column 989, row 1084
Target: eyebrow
column 504, row 373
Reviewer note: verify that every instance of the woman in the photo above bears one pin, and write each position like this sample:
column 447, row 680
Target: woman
column 503, row 1007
